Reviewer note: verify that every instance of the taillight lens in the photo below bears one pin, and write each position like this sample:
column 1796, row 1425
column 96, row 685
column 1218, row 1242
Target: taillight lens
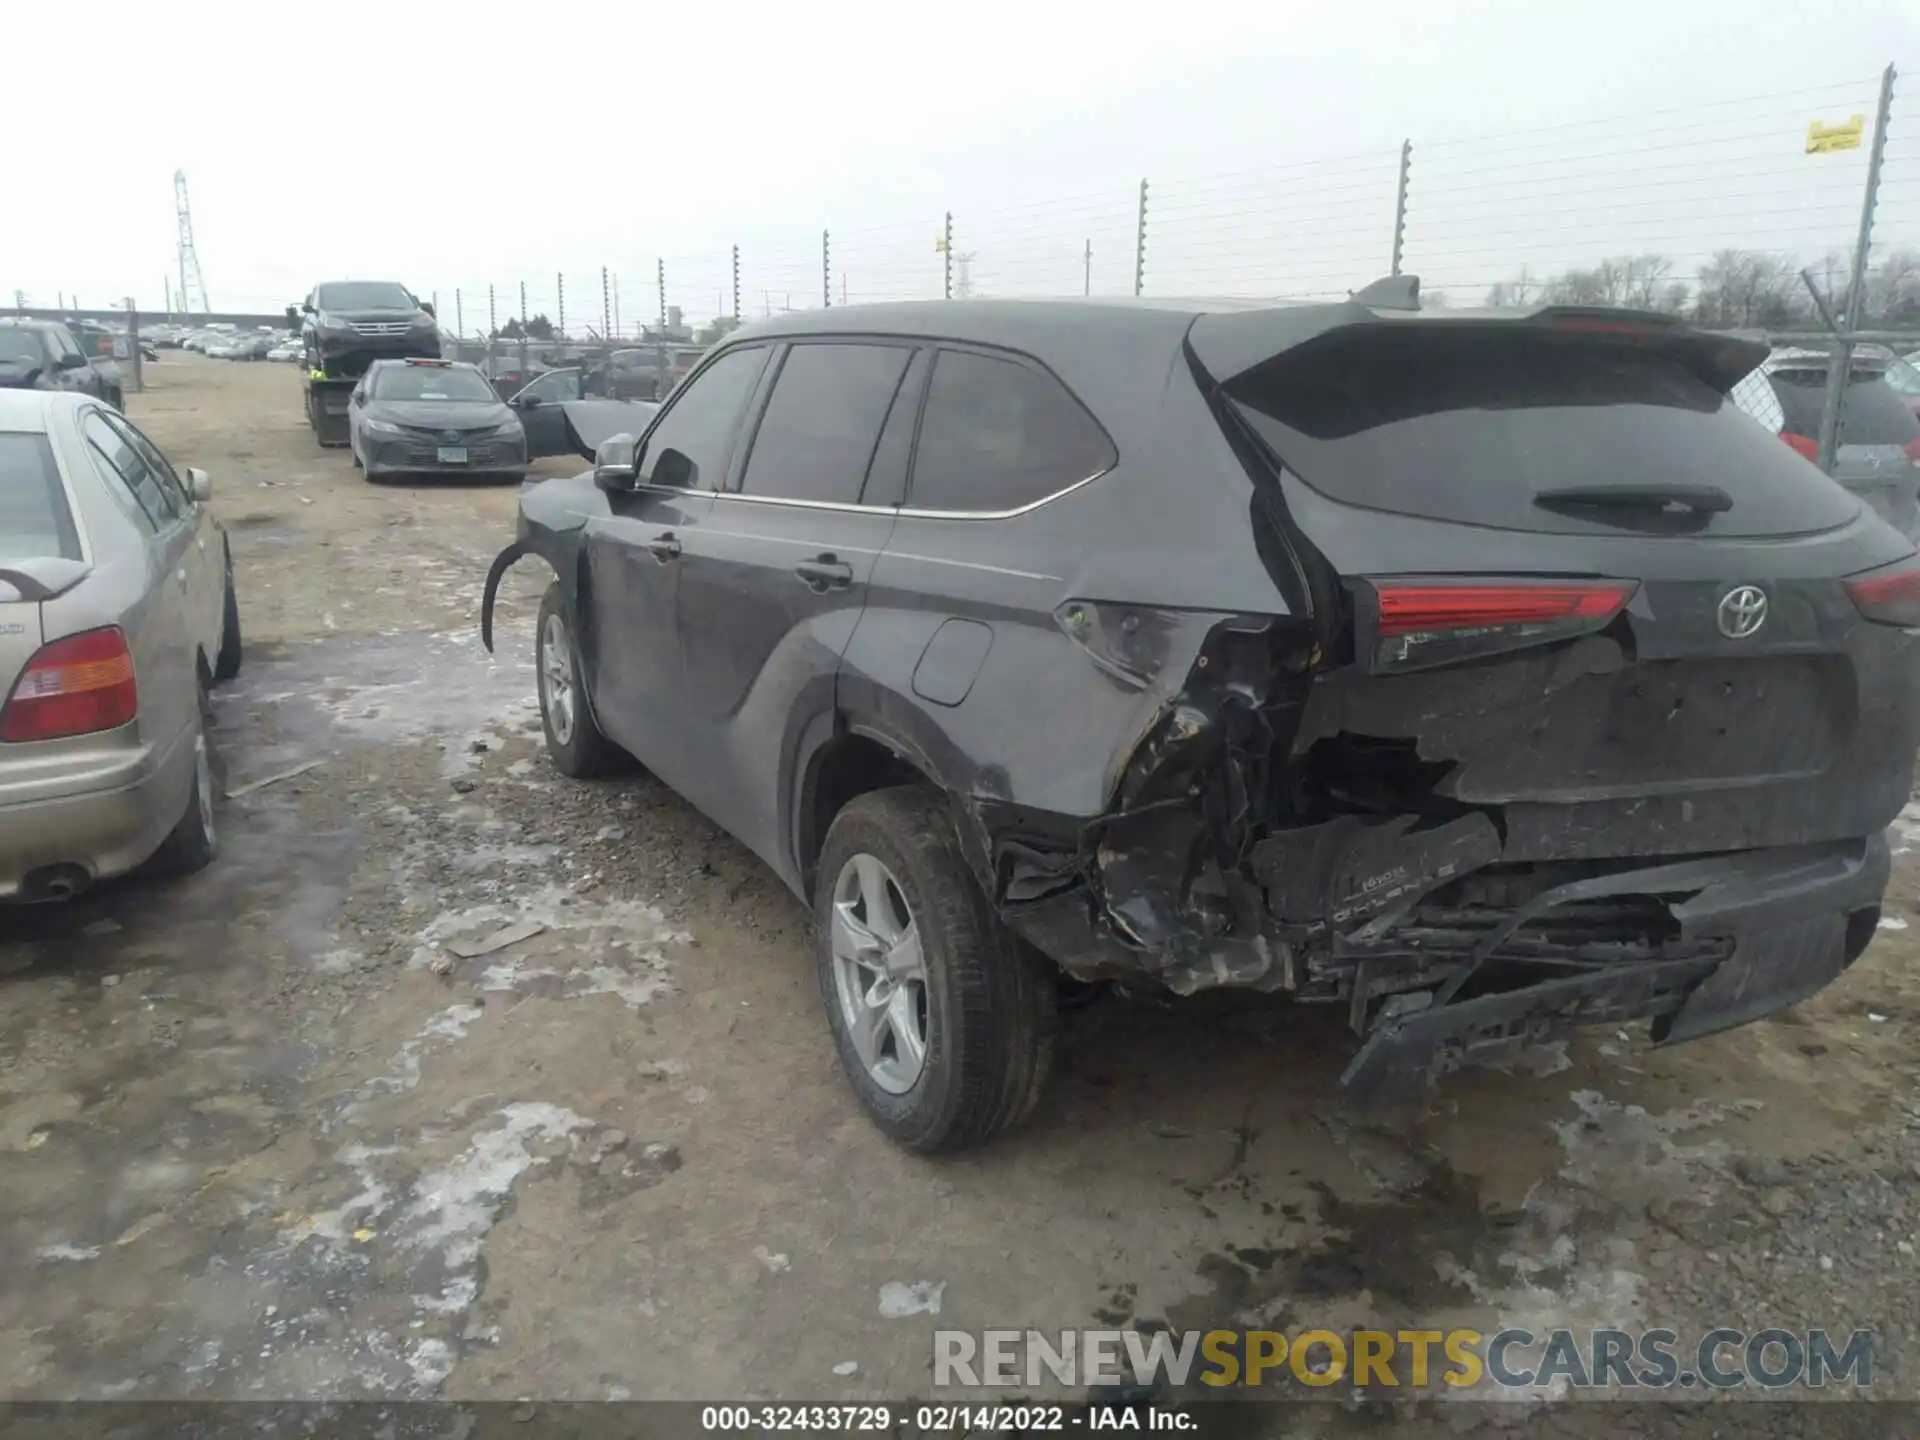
column 1890, row 596
column 74, row 686
column 1419, row 623
column 1804, row 445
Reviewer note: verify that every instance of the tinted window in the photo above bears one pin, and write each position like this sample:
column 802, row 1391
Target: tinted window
column 1874, row 413
column 557, row 385
column 1474, row 426
column 363, row 295
column 431, row 382
column 705, row 417
column 997, row 435
column 157, row 463
column 34, row 520
column 123, row 468
column 887, row 475
column 20, row 346
column 819, row 429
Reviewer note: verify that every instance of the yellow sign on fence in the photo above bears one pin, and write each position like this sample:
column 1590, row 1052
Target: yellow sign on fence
column 1822, row 138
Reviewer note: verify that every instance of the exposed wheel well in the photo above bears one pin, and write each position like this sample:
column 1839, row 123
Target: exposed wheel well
column 849, row 766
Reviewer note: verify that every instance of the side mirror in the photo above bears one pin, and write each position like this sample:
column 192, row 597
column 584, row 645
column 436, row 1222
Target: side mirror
column 426, row 307
column 72, row 360
column 675, row 470
column 199, row 485
column 616, row 462
column 306, row 307
column 528, row 402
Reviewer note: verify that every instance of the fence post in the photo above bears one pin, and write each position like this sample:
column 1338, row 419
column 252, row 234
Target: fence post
column 459, row 315
column 560, row 301
column 1400, row 206
column 133, row 347
column 606, row 307
column 493, row 328
column 616, row 305
column 1842, row 361
column 660, row 282
column 826, row 270
column 946, row 255
column 1140, row 245
column 736, row 284
column 1086, row 269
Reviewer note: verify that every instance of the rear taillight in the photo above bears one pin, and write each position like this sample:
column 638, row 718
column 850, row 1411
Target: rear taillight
column 1804, row 445
column 1414, row 624
column 75, row 686
column 1890, row 596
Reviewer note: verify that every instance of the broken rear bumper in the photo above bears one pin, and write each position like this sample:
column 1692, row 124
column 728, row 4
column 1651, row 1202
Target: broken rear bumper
column 1705, row 944
column 1782, row 920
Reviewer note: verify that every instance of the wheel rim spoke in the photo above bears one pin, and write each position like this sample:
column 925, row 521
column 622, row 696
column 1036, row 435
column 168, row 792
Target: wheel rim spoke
column 879, row 973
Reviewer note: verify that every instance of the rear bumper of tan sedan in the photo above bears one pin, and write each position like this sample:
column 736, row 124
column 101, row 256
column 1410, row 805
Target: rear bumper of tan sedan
column 60, row 833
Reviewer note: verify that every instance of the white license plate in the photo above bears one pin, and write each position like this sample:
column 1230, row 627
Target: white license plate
column 453, row 454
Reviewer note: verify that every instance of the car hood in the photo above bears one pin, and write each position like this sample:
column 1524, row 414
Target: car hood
column 440, row 414
column 18, row 374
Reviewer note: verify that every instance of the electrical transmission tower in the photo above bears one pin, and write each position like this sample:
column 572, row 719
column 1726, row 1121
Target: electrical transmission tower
column 193, row 285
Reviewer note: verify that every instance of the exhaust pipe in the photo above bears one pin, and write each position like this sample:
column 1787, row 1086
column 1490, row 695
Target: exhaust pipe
column 55, row 882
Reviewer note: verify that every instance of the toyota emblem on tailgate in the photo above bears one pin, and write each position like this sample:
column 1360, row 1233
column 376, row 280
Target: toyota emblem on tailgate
column 1743, row 610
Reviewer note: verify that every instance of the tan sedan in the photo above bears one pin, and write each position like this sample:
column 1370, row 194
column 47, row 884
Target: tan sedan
column 117, row 615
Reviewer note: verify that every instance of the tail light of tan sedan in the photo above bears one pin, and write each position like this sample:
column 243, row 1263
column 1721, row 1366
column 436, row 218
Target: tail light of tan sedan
column 76, row 686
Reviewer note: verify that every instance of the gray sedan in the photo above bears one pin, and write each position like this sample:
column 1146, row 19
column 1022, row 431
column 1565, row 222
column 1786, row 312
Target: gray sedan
column 432, row 417
column 117, row 611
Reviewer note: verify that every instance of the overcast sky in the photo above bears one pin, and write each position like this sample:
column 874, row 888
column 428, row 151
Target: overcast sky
column 461, row 146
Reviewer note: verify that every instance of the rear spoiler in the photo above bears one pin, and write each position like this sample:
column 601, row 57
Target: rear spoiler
column 47, row 579
column 1229, row 344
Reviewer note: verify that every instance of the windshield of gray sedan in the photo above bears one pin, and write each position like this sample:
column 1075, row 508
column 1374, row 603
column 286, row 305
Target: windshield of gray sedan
column 364, row 295
column 430, row 382
column 35, row 523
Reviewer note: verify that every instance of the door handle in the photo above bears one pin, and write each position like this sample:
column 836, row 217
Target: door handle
column 824, row 573
column 664, row 548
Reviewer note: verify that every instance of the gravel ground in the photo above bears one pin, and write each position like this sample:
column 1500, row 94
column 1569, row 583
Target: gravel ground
column 265, row 1135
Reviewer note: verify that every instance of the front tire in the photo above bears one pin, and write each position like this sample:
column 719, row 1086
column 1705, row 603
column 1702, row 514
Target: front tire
column 944, row 1021
column 574, row 740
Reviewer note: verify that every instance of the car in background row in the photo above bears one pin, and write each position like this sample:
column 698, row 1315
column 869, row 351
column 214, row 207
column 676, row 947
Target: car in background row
column 432, row 417
column 1903, row 374
column 44, row 355
column 1878, row 453
column 1482, row 676
column 285, row 350
column 117, row 612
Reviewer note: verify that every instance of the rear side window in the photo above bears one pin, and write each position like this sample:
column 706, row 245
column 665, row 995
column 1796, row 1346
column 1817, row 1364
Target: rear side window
column 997, row 434
column 818, row 432
column 35, row 523
column 1873, row 413
column 1475, row 426
column 703, row 420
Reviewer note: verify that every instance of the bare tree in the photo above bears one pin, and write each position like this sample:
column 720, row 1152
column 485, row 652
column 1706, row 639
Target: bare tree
column 1523, row 289
column 1893, row 288
column 1749, row 287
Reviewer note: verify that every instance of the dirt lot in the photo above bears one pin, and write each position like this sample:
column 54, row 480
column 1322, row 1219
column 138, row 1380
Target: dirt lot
column 253, row 1145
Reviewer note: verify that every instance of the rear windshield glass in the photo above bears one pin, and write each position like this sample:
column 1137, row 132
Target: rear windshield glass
column 1474, row 426
column 430, row 382
column 35, row 523
column 1874, row 413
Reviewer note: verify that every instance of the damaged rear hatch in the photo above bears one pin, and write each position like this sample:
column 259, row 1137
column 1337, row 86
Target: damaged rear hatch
column 1618, row 688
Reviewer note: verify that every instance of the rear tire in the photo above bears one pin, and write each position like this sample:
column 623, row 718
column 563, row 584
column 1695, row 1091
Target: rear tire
column 893, row 883
column 194, row 841
column 574, row 740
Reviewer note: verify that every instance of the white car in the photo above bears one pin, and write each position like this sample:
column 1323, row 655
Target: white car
column 285, row 350
column 117, row 611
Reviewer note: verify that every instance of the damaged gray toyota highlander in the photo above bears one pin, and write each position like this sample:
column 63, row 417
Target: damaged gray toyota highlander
column 1484, row 674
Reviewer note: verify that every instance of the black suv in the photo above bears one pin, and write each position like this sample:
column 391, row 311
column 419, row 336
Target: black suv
column 44, row 355
column 1481, row 674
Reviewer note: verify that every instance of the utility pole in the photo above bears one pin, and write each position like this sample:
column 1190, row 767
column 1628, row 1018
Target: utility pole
column 1140, row 244
column 1086, row 269
column 193, row 285
column 1400, row 206
column 167, row 283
